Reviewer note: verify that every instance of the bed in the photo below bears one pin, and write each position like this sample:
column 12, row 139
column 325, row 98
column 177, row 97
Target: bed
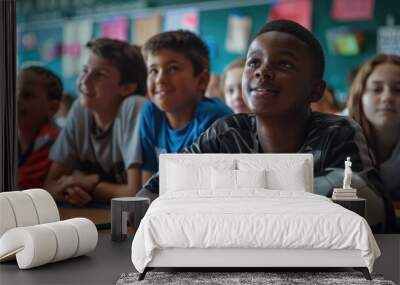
column 247, row 211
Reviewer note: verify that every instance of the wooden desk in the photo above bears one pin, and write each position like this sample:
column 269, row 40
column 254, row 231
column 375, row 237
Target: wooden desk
column 102, row 266
column 97, row 216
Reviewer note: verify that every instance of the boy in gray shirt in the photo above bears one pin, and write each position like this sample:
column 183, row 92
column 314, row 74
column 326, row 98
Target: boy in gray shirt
column 98, row 154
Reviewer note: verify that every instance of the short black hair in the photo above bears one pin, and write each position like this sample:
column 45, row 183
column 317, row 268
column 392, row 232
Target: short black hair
column 182, row 41
column 302, row 34
column 127, row 59
column 53, row 83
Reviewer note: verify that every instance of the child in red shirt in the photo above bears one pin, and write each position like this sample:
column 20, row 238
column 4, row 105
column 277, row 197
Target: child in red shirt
column 39, row 92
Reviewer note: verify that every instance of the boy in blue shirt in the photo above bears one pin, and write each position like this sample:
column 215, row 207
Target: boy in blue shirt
column 178, row 75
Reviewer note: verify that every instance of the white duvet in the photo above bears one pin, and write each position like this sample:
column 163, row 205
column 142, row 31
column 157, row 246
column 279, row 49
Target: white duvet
column 252, row 218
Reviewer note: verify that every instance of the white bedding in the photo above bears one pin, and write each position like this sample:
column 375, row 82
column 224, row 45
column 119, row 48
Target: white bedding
column 251, row 218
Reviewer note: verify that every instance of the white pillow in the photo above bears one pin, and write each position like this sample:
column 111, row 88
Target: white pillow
column 183, row 177
column 251, row 178
column 291, row 179
column 225, row 179
column 285, row 174
column 193, row 174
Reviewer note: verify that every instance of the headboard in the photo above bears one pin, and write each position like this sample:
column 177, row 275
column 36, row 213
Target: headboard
column 283, row 167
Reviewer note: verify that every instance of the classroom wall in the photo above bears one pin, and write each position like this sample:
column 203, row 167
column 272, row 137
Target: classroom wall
column 212, row 28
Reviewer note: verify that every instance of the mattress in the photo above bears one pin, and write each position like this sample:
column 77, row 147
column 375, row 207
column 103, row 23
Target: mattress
column 251, row 219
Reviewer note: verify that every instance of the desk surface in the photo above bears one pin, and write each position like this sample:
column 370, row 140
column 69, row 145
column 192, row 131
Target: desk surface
column 102, row 266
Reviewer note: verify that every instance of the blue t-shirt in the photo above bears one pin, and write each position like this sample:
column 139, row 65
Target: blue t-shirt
column 157, row 136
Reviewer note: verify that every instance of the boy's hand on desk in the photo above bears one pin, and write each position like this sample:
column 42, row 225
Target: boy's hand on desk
column 60, row 188
column 86, row 183
column 77, row 196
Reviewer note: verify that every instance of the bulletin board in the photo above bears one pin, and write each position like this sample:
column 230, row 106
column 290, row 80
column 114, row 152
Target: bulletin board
column 337, row 68
column 213, row 28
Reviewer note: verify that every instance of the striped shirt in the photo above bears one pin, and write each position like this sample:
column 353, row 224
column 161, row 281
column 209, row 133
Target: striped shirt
column 331, row 139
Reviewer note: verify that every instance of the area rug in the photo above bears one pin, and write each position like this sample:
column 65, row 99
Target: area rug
column 243, row 278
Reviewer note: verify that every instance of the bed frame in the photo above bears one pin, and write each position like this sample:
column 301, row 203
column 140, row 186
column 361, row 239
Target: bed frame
column 242, row 259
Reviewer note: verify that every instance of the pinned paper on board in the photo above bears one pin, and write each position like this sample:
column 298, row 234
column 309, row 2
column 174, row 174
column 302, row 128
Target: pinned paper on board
column 347, row 45
column 345, row 42
column 186, row 19
column 145, row 27
column 29, row 41
column 50, row 50
column 354, row 10
column 388, row 40
column 115, row 29
column 299, row 11
column 237, row 36
column 75, row 36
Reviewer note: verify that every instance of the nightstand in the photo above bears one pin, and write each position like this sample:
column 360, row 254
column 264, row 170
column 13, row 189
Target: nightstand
column 356, row 205
column 124, row 209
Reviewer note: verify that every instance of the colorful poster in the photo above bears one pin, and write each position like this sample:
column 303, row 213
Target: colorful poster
column 145, row 27
column 388, row 40
column 352, row 10
column 186, row 19
column 85, row 35
column 345, row 41
column 29, row 41
column 50, row 50
column 238, row 33
column 299, row 11
column 347, row 45
column 115, row 29
column 75, row 36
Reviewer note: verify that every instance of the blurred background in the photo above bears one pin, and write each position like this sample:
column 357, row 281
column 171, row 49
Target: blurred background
column 52, row 33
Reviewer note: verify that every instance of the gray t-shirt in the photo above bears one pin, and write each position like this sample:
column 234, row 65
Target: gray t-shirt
column 84, row 147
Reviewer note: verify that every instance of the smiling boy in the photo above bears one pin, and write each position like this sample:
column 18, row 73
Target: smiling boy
column 98, row 154
column 282, row 76
column 178, row 74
